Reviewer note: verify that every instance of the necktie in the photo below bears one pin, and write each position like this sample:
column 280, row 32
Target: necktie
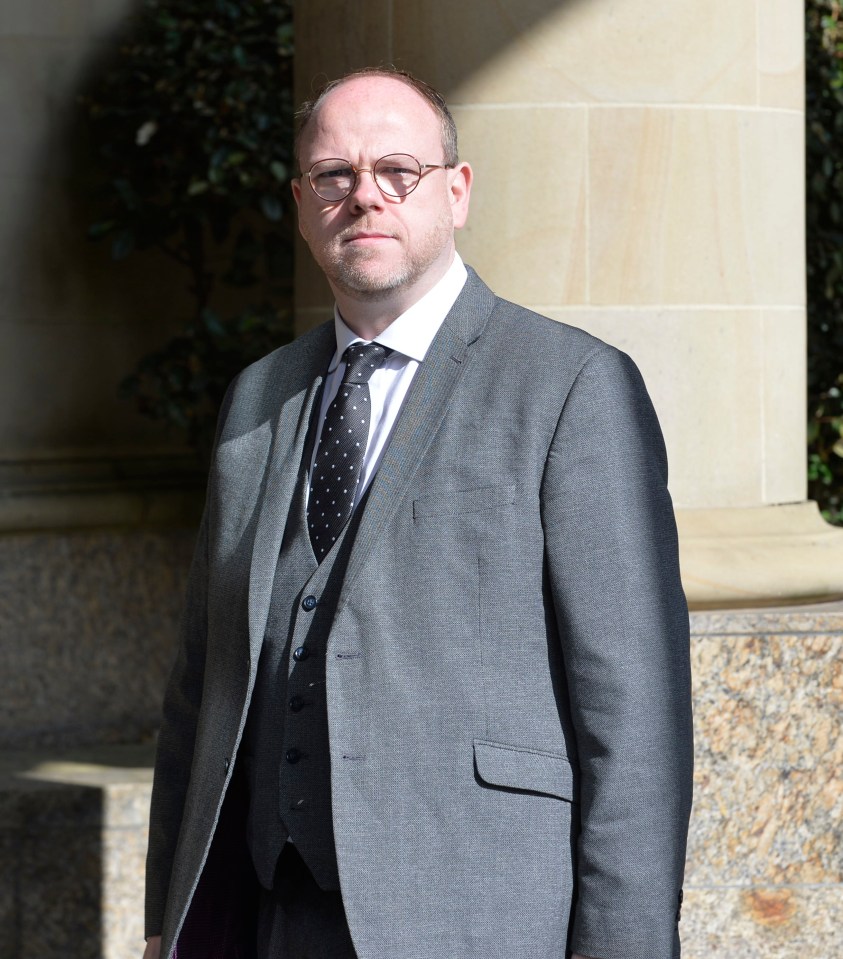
column 342, row 446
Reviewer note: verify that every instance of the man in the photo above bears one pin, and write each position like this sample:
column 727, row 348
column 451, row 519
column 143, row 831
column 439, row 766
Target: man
column 434, row 661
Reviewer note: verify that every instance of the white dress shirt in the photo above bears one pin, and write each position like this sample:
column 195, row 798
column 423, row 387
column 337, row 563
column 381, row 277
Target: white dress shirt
column 409, row 337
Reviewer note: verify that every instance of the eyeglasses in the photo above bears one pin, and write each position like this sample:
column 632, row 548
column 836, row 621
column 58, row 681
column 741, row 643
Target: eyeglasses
column 397, row 174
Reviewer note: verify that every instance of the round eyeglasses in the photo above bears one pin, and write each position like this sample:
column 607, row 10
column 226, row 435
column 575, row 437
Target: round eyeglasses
column 397, row 174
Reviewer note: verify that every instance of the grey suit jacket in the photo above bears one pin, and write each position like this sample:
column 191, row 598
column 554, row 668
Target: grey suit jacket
column 508, row 671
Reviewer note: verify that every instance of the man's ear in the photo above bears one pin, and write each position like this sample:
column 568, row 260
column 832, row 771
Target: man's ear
column 460, row 180
column 295, row 186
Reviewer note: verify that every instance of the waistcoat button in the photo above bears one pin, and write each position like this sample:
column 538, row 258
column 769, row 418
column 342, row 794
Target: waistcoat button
column 301, row 654
column 309, row 603
column 293, row 755
column 297, row 704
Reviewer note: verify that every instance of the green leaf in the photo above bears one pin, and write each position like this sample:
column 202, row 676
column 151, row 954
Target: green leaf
column 271, row 207
column 123, row 245
column 96, row 231
column 212, row 322
column 215, row 77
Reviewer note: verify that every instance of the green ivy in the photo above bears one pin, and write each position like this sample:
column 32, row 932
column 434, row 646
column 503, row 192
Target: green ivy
column 824, row 104
column 192, row 124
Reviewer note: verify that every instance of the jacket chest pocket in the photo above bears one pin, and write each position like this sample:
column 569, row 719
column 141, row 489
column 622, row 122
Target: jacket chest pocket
column 451, row 504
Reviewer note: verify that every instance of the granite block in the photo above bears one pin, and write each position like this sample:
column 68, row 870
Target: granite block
column 8, row 892
column 764, row 876
column 60, row 882
column 762, row 922
column 768, row 791
column 123, row 871
column 88, row 629
column 73, row 834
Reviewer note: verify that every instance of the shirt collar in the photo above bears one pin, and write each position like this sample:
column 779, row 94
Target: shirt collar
column 412, row 332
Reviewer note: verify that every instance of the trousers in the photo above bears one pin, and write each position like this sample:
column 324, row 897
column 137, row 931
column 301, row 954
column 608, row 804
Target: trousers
column 297, row 919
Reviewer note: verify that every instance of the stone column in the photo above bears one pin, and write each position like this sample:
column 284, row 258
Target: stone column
column 669, row 221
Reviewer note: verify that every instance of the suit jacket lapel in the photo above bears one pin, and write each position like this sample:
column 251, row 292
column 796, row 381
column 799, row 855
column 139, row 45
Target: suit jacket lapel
column 420, row 419
column 289, row 438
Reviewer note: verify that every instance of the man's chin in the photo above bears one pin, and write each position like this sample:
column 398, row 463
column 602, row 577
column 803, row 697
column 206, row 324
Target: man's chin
column 369, row 286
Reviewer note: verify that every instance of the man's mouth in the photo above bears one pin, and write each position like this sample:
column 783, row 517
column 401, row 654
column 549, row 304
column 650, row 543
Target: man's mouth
column 367, row 236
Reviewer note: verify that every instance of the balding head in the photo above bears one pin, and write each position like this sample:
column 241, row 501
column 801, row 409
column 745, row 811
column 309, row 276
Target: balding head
column 310, row 107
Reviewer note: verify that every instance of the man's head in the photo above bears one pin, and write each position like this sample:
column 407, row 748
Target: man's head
column 450, row 150
column 373, row 246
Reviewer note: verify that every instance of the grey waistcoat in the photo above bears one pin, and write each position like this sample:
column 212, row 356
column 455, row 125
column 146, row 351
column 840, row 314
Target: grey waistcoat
column 286, row 740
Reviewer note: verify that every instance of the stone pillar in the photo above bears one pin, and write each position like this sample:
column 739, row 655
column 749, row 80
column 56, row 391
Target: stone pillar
column 670, row 223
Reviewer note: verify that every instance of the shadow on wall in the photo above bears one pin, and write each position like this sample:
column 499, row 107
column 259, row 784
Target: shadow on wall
column 73, row 322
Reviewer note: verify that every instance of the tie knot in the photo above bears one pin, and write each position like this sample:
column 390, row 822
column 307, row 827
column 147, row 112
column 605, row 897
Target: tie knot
column 361, row 360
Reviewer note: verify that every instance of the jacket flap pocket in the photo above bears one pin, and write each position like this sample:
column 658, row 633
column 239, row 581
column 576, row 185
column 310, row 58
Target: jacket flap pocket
column 451, row 502
column 528, row 769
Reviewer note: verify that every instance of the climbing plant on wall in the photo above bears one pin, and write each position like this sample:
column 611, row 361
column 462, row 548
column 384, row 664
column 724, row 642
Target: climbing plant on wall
column 191, row 127
column 824, row 102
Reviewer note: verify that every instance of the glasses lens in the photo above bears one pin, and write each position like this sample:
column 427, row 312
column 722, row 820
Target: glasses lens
column 397, row 174
column 332, row 179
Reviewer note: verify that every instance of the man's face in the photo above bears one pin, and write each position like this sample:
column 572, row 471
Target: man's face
column 370, row 245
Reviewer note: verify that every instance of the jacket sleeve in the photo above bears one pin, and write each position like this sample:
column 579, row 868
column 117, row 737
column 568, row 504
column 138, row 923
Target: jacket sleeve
column 612, row 556
column 176, row 741
column 177, row 737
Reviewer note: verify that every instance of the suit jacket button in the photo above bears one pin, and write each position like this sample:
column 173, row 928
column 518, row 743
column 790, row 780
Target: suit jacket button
column 293, row 755
column 226, row 763
column 301, row 654
column 309, row 603
column 297, row 704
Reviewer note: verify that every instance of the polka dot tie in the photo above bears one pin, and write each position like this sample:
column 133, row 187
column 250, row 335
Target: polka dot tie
column 342, row 446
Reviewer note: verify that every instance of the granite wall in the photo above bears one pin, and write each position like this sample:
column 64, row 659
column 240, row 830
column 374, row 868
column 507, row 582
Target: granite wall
column 764, row 874
column 88, row 624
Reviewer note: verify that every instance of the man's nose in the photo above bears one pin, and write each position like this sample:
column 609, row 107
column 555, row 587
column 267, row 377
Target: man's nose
column 366, row 195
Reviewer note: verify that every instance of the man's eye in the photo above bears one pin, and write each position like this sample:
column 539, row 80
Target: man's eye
column 336, row 173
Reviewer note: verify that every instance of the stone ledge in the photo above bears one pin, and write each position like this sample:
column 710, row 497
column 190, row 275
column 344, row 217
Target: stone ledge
column 759, row 556
column 770, row 620
column 73, row 834
column 85, row 492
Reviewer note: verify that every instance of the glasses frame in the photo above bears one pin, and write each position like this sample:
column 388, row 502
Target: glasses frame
column 357, row 170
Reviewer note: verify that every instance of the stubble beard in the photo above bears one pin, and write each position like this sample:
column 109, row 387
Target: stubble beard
column 351, row 276
column 357, row 273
